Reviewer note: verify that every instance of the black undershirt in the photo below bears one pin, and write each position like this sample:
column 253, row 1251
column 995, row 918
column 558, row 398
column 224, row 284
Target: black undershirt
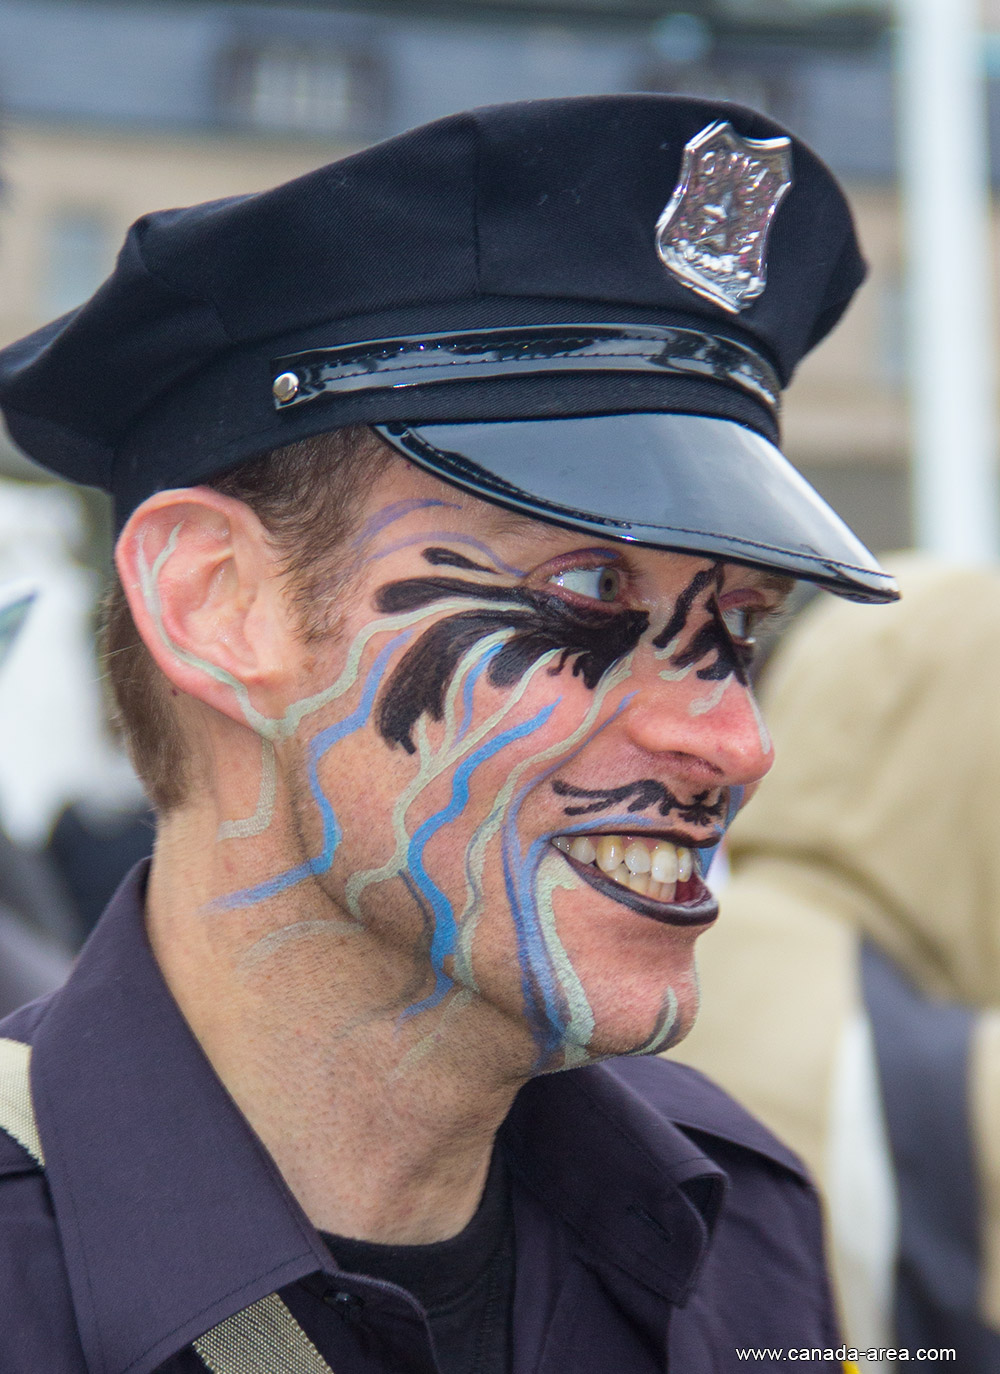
column 465, row 1284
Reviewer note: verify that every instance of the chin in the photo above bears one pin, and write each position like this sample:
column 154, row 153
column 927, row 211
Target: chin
column 643, row 1022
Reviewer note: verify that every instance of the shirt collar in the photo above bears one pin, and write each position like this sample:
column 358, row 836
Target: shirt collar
column 173, row 1216
column 634, row 1189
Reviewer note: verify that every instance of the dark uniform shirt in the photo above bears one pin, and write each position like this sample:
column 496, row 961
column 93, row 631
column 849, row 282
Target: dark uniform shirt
column 656, row 1225
column 465, row 1284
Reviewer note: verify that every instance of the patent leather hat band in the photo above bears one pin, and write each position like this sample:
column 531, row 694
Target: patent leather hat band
column 482, row 354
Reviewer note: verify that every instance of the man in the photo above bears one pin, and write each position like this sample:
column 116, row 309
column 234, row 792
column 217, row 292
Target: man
column 449, row 499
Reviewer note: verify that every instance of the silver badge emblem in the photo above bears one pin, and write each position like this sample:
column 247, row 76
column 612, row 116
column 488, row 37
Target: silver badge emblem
column 713, row 233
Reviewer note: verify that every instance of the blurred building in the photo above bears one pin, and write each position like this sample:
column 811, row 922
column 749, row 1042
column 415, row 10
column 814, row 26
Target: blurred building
column 108, row 109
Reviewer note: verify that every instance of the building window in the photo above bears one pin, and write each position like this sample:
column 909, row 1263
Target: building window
column 303, row 89
column 77, row 258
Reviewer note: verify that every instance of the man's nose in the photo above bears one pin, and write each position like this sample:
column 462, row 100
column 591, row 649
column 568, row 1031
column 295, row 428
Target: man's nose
column 710, row 730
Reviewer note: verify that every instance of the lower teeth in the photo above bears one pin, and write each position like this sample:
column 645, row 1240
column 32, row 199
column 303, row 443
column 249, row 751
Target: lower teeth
column 644, row 885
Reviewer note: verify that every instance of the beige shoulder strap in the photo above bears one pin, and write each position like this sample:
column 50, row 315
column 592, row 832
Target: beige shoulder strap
column 264, row 1337
column 17, row 1114
column 259, row 1340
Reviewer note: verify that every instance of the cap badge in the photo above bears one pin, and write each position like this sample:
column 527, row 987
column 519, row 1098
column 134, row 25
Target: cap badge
column 713, row 233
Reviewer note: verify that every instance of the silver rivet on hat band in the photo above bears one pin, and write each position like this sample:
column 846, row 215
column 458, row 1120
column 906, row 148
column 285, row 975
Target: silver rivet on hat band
column 285, row 386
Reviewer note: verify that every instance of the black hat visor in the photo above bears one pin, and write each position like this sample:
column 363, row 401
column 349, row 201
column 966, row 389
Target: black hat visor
column 686, row 483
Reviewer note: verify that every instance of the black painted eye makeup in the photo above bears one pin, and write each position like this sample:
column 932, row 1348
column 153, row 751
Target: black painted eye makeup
column 588, row 637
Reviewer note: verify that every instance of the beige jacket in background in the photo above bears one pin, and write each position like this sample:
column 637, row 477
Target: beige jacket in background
column 880, row 819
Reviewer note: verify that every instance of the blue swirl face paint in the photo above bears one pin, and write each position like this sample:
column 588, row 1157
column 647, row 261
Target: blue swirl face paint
column 416, row 789
column 469, row 690
column 443, row 942
column 546, row 1008
column 393, row 512
column 319, row 746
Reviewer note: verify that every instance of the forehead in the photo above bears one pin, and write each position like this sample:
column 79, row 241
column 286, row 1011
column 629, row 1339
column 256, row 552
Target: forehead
column 407, row 493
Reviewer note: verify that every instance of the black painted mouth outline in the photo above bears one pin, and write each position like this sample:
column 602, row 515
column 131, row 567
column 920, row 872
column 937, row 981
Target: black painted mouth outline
column 700, row 913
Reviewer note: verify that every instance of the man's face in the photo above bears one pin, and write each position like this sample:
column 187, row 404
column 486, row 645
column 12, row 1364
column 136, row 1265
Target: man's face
column 509, row 764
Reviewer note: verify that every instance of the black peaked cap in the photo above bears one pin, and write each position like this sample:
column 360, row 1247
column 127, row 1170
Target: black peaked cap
column 533, row 215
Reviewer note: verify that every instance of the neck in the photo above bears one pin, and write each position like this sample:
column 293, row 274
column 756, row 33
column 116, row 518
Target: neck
column 382, row 1124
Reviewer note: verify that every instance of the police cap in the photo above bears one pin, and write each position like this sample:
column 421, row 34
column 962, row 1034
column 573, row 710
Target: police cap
column 583, row 309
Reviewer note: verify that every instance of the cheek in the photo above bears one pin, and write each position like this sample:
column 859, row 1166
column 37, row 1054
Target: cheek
column 479, row 804
column 451, row 816
column 362, row 779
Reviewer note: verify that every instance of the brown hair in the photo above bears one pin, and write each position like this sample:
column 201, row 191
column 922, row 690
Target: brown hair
column 306, row 496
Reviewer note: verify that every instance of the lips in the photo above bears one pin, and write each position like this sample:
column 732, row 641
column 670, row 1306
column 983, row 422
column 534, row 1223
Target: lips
column 650, row 875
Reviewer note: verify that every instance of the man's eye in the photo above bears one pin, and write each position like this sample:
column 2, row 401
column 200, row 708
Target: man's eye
column 598, row 584
column 741, row 621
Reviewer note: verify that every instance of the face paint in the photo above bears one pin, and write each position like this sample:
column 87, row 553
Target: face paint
column 418, row 599
column 256, row 824
column 319, row 746
column 393, row 512
column 455, row 667
column 398, row 510
column 456, row 743
column 522, row 639
column 712, row 637
column 703, row 579
column 539, row 623
column 549, row 1004
column 506, row 637
column 562, row 751
column 449, row 557
column 732, row 658
column 736, row 796
column 269, row 728
column 646, row 793
column 268, row 945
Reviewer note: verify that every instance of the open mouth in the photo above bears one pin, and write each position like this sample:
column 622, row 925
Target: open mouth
column 652, row 876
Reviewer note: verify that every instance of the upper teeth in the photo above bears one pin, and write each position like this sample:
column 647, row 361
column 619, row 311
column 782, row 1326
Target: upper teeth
column 653, row 868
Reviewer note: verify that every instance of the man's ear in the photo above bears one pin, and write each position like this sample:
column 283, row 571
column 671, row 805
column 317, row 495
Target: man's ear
column 205, row 591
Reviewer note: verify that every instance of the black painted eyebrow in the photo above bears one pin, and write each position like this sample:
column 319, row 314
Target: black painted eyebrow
column 448, row 558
